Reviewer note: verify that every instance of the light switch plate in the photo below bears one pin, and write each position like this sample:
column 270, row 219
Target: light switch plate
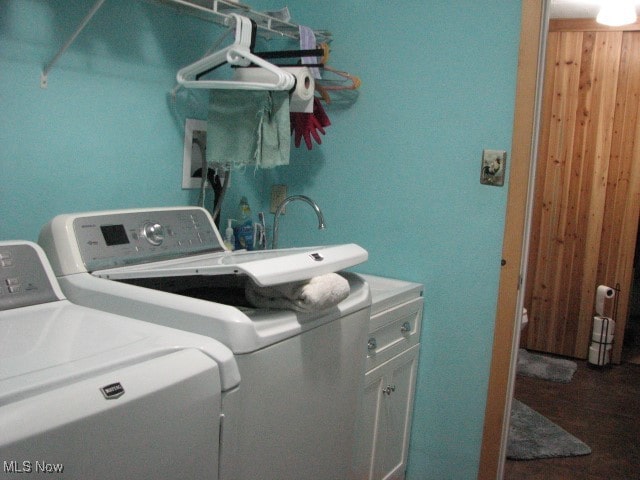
column 494, row 164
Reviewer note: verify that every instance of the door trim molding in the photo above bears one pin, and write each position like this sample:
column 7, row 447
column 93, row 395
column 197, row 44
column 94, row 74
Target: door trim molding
column 515, row 241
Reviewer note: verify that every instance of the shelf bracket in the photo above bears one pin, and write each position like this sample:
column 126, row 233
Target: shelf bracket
column 85, row 21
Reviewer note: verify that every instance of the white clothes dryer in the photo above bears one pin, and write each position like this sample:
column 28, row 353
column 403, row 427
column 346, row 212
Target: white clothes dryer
column 90, row 394
column 293, row 415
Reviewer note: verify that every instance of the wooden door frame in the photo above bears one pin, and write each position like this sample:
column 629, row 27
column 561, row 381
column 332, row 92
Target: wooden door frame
column 509, row 307
column 534, row 27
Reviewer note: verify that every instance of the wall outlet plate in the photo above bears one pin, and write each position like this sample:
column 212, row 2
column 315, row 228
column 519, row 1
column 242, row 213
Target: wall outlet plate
column 494, row 164
column 278, row 194
column 195, row 147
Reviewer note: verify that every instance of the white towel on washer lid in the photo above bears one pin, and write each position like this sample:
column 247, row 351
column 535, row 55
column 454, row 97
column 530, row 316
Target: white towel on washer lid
column 318, row 293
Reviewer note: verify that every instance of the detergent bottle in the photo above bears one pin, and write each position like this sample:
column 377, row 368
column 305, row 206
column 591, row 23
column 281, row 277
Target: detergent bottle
column 243, row 231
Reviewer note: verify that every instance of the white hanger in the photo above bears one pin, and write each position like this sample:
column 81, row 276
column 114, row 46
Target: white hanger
column 238, row 53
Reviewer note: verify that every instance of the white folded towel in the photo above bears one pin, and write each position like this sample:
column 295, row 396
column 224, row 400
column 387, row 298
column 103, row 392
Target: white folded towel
column 318, row 293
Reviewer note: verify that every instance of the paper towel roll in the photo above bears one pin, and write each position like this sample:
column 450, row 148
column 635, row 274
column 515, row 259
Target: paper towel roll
column 603, row 293
column 301, row 99
column 302, row 96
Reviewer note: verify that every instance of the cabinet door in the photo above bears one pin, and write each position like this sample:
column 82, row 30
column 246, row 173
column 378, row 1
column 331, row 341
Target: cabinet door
column 385, row 418
column 367, row 425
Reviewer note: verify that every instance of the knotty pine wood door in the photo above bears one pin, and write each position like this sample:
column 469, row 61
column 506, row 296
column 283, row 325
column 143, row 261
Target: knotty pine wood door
column 587, row 194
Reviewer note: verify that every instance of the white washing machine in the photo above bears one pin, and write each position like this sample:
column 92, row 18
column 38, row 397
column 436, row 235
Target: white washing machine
column 293, row 415
column 89, row 394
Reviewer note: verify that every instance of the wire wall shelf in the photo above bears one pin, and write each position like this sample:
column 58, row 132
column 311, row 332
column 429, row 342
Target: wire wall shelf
column 217, row 11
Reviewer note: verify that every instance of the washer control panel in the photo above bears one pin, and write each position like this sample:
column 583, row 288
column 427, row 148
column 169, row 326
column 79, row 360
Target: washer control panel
column 134, row 237
column 23, row 279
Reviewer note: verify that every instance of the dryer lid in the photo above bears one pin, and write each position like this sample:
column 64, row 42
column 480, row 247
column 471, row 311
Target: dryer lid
column 53, row 344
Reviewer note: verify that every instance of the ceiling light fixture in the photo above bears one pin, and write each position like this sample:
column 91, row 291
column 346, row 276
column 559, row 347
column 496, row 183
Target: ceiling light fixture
column 615, row 13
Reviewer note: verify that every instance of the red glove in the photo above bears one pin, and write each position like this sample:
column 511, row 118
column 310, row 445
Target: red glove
column 319, row 113
column 305, row 125
column 308, row 125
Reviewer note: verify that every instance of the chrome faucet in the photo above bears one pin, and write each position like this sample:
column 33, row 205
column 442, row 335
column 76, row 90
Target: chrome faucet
column 321, row 225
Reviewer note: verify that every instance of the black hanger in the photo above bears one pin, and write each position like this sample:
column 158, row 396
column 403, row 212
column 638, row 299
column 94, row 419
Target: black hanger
column 316, row 52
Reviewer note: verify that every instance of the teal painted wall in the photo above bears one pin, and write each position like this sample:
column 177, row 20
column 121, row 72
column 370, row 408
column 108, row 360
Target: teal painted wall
column 397, row 172
column 105, row 133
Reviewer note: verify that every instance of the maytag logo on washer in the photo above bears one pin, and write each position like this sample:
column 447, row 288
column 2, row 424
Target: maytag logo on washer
column 316, row 256
column 112, row 391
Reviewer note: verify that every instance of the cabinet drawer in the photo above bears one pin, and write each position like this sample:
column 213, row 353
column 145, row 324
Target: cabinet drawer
column 393, row 331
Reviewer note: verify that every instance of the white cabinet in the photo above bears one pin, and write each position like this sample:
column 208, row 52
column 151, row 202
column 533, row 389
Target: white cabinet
column 384, row 419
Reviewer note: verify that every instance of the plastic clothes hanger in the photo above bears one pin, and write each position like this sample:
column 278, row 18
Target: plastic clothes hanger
column 323, row 86
column 238, row 53
column 324, row 46
column 278, row 54
column 355, row 81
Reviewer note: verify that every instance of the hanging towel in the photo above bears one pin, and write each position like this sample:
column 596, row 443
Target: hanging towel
column 248, row 127
column 318, row 293
column 308, row 42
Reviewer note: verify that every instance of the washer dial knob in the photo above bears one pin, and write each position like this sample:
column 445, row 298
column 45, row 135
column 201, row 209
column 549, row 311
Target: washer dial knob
column 153, row 232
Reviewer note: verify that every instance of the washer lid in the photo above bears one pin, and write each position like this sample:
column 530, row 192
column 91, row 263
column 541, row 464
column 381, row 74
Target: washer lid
column 265, row 267
column 47, row 345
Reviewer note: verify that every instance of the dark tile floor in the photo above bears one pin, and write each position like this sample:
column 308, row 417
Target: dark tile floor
column 601, row 407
